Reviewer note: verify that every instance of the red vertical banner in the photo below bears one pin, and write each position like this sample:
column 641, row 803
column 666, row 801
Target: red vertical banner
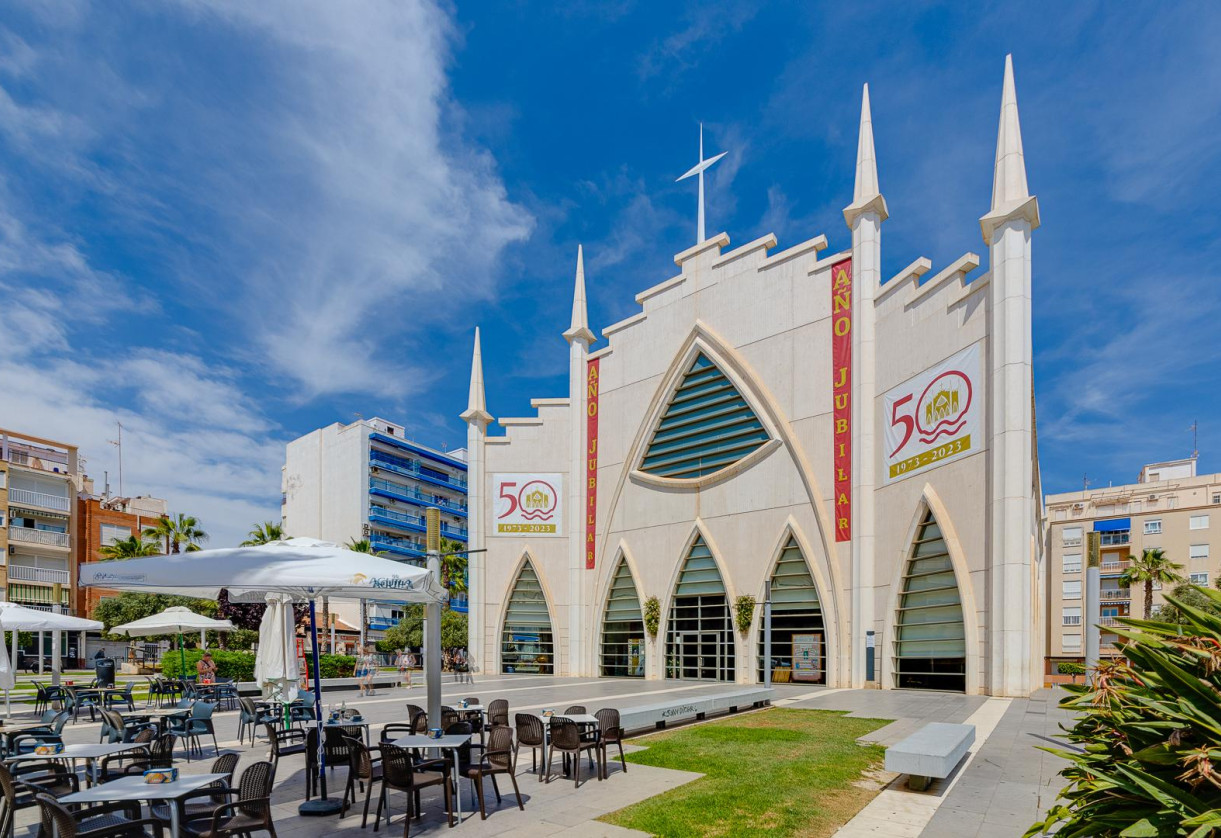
column 841, row 393
column 591, row 459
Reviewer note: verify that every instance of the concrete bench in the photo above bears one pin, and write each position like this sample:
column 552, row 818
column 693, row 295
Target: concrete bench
column 382, row 681
column 658, row 715
column 932, row 751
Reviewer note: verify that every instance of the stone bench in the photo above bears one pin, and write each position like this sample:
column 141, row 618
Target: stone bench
column 932, row 751
column 657, row 715
column 382, row 681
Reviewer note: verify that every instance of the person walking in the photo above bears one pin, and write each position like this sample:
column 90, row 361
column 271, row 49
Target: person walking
column 405, row 663
column 368, row 665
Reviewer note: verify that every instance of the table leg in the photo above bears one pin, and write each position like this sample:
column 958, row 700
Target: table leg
column 457, row 788
column 173, row 818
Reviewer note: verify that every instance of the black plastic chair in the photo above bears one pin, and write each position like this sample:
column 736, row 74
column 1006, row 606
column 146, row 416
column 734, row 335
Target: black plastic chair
column 530, row 732
column 609, row 733
column 566, row 739
column 95, row 822
column 497, row 759
column 399, row 773
column 249, row 813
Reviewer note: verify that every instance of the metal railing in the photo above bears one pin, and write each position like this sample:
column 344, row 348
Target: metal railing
column 1072, row 621
column 1112, row 539
column 1116, row 594
column 25, row 573
column 1108, row 621
column 34, row 536
column 434, row 500
column 406, row 466
column 1072, row 542
column 23, row 497
column 403, row 517
column 1115, row 567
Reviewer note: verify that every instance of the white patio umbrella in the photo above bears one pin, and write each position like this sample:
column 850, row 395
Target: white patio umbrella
column 14, row 618
column 8, row 673
column 275, row 666
column 174, row 620
column 302, row 568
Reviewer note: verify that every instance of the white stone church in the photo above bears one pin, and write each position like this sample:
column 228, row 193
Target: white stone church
column 864, row 443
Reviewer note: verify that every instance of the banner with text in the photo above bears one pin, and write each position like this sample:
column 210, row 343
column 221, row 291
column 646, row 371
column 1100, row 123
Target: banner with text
column 841, row 393
column 933, row 418
column 528, row 504
column 591, row 459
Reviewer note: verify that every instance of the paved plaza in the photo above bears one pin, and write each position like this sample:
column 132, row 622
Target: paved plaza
column 1000, row 791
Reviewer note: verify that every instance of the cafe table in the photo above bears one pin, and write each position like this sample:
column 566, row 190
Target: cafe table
column 135, row 789
column 361, row 723
column 451, row 742
column 9, row 729
column 88, row 752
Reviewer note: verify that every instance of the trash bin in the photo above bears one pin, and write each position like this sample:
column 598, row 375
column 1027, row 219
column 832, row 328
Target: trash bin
column 104, row 669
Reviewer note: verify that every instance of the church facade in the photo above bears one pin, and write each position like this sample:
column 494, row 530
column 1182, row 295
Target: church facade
column 781, row 424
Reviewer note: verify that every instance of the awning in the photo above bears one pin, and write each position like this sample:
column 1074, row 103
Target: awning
column 1114, row 525
column 22, row 512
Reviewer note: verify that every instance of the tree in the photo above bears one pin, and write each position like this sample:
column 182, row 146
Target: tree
column 453, row 566
column 363, row 545
column 264, row 533
column 126, row 607
column 410, row 630
column 1152, row 566
column 177, row 532
column 132, row 547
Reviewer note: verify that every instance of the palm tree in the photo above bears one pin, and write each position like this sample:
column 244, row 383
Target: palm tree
column 264, row 533
column 362, row 545
column 179, row 531
column 132, row 547
column 453, row 566
column 1152, row 566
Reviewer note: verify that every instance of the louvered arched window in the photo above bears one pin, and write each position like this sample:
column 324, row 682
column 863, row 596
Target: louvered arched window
column 699, row 636
column 799, row 646
column 707, row 426
column 527, row 644
column 930, row 637
column 623, row 627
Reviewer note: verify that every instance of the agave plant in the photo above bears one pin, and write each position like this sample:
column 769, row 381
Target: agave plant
column 1147, row 760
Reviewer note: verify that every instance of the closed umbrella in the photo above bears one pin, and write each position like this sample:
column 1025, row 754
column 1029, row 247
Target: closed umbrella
column 175, row 619
column 14, row 618
column 302, row 568
column 8, row 672
column 275, row 666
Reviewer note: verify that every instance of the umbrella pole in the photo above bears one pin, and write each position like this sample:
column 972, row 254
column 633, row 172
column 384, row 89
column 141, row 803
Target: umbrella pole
column 319, row 806
column 182, row 657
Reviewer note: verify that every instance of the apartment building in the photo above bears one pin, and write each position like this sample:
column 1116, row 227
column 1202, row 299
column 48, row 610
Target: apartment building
column 1170, row 507
column 37, row 517
column 367, row 480
column 102, row 521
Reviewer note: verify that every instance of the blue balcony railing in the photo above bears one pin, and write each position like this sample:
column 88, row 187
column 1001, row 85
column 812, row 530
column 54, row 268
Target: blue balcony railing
column 402, row 519
column 398, row 546
column 413, row 468
column 415, row 496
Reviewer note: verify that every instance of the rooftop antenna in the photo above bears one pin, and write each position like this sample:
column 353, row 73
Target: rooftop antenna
column 119, row 444
column 1085, row 482
column 1195, row 438
column 699, row 169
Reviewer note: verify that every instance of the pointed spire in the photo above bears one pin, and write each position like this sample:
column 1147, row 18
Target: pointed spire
column 1011, row 196
column 476, row 406
column 866, row 194
column 579, row 330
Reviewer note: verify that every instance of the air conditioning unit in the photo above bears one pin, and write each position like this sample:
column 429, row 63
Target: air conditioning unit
column 375, row 470
column 1152, row 497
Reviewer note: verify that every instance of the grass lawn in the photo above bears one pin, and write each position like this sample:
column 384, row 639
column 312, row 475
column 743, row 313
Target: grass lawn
column 776, row 772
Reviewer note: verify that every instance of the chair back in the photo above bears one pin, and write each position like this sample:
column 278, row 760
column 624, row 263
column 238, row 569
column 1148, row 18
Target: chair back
column 530, row 729
column 499, row 752
column 254, row 787
column 360, row 761
column 498, row 712
column 471, row 700
column 565, row 735
column 248, row 710
column 306, row 697
column 144, row 736
column 576, row 710
column 112, row 725
column 337, row 743
column 608, row 724
column 395, row 730
column 464, row 751
column 161, row 754
column 397, row 771
column 202, row 710
column 8, row 787
column 61, row 719
column 449, row 716
column 419, row 723
column 61, row 820
column 413, row 710
column 225, row 764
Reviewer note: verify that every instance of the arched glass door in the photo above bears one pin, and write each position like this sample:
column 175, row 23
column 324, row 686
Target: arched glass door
column 699, row 636
column 930, row 637
column 527, row 644
column 623, row 627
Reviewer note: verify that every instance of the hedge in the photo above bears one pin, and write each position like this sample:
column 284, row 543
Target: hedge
column 240, row 665
column 1070, row 668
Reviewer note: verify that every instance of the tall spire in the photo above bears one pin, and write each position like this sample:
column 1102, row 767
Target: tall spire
column 579, row 330
column 866, row 194
column 1011, row 196
column 476, row 403
column 699, row 169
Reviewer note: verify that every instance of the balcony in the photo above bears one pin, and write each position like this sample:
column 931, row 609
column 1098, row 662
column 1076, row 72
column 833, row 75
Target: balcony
column 25, row 497
column 401, row 546
column 1116, row 538
column 42, row 459
column 25, row 573
column 1124, row 596
column 415, row 496
column 1108, row 621
column 394, row 518
column 1114, row 568
column 29, row 535
column 411, row 468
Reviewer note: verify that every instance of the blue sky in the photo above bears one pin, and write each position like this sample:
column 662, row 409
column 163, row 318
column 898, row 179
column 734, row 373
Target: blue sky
column 225, row 224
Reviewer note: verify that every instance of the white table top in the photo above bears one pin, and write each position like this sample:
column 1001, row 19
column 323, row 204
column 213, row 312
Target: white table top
column 83, row 751
column 134, row 788
column 471, row 708
column 419, row 740
column 581, row 719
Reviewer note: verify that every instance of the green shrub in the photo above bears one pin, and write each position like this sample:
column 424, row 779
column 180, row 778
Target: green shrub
column 1148, row 734
column 336, row 666
column 1070, row 668
column 236, row 665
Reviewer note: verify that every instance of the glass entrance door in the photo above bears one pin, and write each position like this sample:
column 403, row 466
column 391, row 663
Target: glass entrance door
column 709, row 662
